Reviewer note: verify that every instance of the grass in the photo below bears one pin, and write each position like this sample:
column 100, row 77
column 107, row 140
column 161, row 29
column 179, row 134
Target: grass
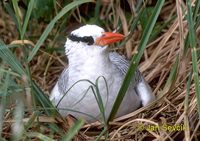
column 162, row 37
column 136, row 59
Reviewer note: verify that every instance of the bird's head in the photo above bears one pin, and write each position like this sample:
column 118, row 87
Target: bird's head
column 93, row 35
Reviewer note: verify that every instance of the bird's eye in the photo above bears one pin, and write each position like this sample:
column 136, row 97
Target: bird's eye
column 86, row 39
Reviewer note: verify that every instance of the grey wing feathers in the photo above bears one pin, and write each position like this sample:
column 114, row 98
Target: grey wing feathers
column 141, row 87
column 119, row 61
column 122, row 64
column 62, row 81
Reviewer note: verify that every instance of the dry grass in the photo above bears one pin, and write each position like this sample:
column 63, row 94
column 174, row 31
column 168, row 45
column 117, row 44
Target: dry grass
column 169, row 109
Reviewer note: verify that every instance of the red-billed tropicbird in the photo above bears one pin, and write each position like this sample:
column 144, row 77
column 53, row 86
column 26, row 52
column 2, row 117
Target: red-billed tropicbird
column 90, row 61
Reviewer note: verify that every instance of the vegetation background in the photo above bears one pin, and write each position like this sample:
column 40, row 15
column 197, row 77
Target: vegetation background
column 162, row 40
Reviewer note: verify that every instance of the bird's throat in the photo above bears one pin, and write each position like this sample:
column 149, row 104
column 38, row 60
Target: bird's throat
column 88, row 65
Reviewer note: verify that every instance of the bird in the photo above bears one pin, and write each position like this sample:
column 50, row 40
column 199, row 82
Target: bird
column 94, row 76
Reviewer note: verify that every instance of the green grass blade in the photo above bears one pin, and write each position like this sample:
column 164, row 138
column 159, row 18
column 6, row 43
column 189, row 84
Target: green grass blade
column 196, row 9
column 97, row 11
column 197, row 22
column 73, row 130
column 192, row 37
column 101, row 134
column 17, row 13
column 172, row 78
column 11, row 13
column 187, row 43
column 186, row 107
column 10, row 58
column 52, row 23
column 135, row 60
column 27, row 17
column 189, row 82
column 192, row 40
column 43, row 100
column 39, row 136
column 3, row 99
column 99, row 99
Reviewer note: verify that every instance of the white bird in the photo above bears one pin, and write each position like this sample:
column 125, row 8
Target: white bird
column 90, row 61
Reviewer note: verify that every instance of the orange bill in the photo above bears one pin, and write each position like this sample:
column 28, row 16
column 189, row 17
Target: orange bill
column 108, row 38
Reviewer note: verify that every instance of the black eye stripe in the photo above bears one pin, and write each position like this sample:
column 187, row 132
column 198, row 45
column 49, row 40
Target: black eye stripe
column 86, row 39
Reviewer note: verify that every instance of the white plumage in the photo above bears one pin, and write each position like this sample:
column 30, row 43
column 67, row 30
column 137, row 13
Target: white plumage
column 74, row 92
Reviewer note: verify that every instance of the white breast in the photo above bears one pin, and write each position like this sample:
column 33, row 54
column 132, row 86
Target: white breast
column 81, row 96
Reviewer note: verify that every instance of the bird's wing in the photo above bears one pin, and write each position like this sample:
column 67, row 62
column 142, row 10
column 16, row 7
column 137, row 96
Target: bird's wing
column 123, row 64
column 60, row 87
column 63, row 80
column 119, row 61
column 141, row 87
